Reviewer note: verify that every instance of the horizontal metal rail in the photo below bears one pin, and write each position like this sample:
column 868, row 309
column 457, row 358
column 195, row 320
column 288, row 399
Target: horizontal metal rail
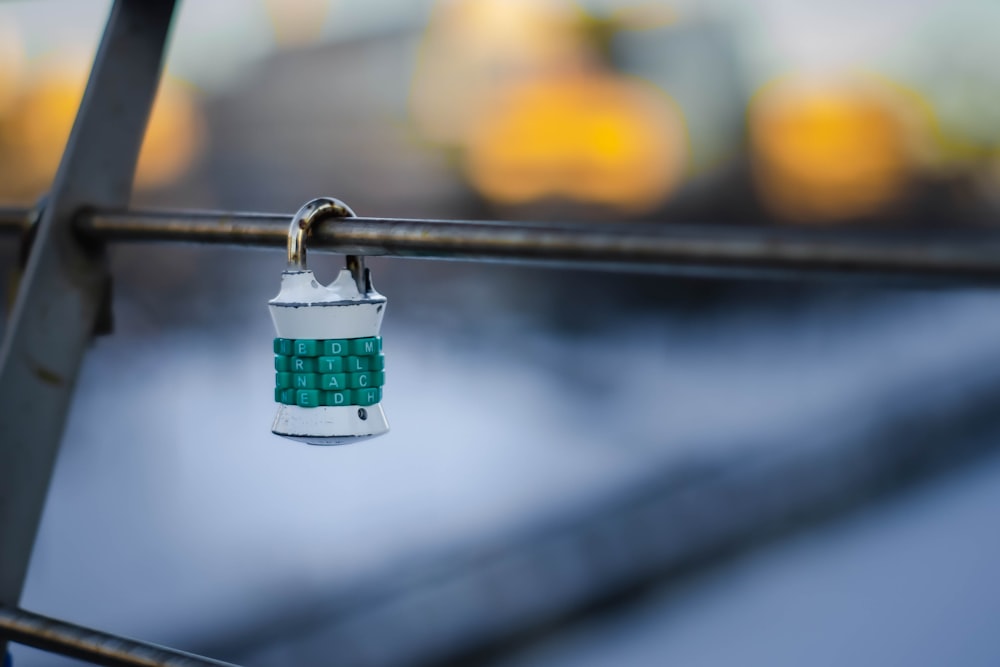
column 964, row 256
column 99, row 648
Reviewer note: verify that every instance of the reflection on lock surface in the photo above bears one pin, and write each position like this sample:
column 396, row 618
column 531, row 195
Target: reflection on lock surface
column 329, row 367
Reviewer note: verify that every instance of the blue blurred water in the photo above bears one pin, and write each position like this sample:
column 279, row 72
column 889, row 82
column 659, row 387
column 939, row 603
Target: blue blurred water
column 175, row 514
column 910, row 582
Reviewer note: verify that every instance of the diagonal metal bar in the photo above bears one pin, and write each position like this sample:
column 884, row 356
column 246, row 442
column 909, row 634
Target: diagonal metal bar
column 66, row 278
column 99, row 648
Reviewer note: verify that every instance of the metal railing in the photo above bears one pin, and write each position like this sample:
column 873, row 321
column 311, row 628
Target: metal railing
column 99, row 648
column 956, row 256
column 64, row 288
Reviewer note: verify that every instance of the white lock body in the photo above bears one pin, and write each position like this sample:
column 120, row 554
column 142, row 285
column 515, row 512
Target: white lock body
column 306, row 309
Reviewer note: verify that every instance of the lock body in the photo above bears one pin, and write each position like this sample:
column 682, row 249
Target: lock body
column 329, row 368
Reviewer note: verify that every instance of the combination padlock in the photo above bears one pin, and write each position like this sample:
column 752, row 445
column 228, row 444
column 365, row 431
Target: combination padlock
column 329, row 367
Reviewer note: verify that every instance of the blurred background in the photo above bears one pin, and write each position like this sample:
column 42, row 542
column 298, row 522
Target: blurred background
column 584, row 468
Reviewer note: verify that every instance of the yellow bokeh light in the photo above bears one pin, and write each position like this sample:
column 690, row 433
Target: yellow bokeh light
column 12, row 61
column 298, row 22
column 593, row 138
column 827, row 150
column 175, row 136
column 34, row 132
column 474, row 47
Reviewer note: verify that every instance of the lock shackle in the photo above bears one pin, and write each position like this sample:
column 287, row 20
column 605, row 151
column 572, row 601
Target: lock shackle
column 301, row 226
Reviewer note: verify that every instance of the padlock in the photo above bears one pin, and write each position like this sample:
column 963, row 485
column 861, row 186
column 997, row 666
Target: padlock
column 329, row 367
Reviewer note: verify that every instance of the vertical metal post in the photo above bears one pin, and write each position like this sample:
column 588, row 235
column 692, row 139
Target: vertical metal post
column 66, row 281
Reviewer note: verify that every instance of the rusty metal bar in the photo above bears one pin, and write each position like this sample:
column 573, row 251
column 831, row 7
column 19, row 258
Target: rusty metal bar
column 941, row 256
column 968, row 257
column 94, row 646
